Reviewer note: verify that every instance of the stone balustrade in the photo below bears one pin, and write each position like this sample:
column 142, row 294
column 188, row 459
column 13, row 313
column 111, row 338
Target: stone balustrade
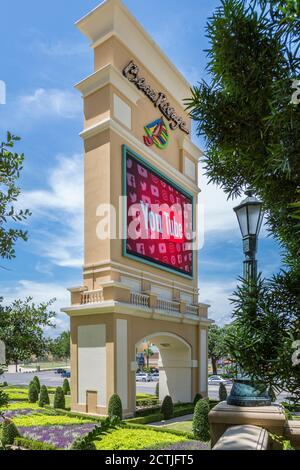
column 114, row 291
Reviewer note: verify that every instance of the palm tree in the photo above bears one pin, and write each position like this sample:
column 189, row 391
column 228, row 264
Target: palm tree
column 148, row 353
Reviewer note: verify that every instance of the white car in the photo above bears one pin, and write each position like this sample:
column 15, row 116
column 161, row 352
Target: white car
column 155, row 376
column 217, row 380
column 143, row 377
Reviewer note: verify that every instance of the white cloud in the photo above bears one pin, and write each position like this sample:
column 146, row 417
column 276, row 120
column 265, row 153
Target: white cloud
column 45, row 103
column 217, row 295
column 62, row 203
column 61, row 49
column 41, row 292
column 218, row 210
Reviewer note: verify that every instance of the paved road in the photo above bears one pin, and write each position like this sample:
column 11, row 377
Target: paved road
column 50, row 379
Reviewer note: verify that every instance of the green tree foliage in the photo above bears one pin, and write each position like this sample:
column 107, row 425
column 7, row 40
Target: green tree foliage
column 22, row 327
column 200, row 421
column 36, row 380
column 222, row 392
column 148, row 353
column 252, row 131
column 11, row 165
column 9, row 432
column 33, row 394
column 83, row 444
column 115, row 407
column 60, row 347
column 66, row 387
column 265, row 322
column 215, row 345
column 167, row 407
column 59, row 399
column 44, row 397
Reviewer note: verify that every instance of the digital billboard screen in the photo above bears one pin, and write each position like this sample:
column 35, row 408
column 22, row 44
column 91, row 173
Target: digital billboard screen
column 159, row 217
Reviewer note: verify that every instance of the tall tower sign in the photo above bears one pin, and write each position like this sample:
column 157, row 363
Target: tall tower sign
column 140, row 275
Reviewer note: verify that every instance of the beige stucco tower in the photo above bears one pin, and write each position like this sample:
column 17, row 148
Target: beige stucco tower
column 126, row 296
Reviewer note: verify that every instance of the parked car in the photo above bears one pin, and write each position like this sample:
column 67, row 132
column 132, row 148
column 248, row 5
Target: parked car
column 143, row 377
column 66, row 374
column 217, row 379
column 155, row 376
column 59, row 371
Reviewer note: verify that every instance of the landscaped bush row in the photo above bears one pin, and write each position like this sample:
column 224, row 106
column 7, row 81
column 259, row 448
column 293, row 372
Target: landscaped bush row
column 32, row 445
column 146, row 402
column 187, row 435
column 179, row 410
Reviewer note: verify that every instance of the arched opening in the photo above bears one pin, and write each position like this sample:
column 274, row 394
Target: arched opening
column 174, row 365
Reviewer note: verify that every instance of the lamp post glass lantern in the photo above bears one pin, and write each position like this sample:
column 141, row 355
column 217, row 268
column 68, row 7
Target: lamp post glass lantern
column 250, row 217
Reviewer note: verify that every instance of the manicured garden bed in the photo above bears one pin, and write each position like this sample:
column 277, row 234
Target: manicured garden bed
column 136, row 439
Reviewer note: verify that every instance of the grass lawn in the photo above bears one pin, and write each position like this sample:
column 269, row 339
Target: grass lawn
column 184, row 426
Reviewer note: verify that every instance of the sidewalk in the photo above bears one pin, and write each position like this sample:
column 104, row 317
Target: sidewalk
column 172, row 421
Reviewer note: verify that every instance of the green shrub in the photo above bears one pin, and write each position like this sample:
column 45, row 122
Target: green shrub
column 59, row 399
column 33, row 394
column 32, row 445
column 36, row 380
column 9, row 432
column 82, row 443
column 115, row 407
column 198, row 397
column 146, row 402
column 44, row 396
column 157, row 390
column 200, row 421
column 167, row 408
column 3, row 398
column 66, row 387
column 222, row 392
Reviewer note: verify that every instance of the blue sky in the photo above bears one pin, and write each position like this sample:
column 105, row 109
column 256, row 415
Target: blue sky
column 42, row 56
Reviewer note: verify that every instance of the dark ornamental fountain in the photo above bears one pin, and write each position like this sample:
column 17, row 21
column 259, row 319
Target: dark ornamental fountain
column 245, row 393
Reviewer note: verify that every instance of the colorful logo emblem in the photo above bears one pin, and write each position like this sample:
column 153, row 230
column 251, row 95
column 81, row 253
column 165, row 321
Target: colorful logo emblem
column 157, row 134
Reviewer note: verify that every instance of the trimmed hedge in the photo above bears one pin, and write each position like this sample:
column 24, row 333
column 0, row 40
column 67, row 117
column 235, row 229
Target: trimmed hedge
column 59, row 399
column 33, row 394
column 157, row 391
column 188, row 435
column 32, row 445
column 115, row 407
column 148, row 402
column 37, row 382
column 44, row 397
column 198, row 397
column 201, row 428
column 167, row 407
column 9, row 432
column 66, row 387
column 222, row 392
column 154, row 414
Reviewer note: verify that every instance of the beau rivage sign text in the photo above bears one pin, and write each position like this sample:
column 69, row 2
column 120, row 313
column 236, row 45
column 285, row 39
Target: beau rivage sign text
column 160, row 100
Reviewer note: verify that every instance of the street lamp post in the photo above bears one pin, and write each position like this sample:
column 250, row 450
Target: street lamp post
column 250, row 216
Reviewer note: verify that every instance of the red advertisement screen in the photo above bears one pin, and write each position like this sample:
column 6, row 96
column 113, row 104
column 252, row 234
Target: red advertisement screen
column 159, row 218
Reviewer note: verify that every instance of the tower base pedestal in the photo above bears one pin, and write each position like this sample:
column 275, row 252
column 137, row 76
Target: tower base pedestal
column 223, row 416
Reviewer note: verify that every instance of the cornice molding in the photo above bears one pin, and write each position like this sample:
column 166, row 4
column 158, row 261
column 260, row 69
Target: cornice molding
column 112, row 18
column 108, row 75
column 111, row 124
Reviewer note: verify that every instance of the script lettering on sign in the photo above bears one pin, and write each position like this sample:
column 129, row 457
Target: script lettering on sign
column 160, row 100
